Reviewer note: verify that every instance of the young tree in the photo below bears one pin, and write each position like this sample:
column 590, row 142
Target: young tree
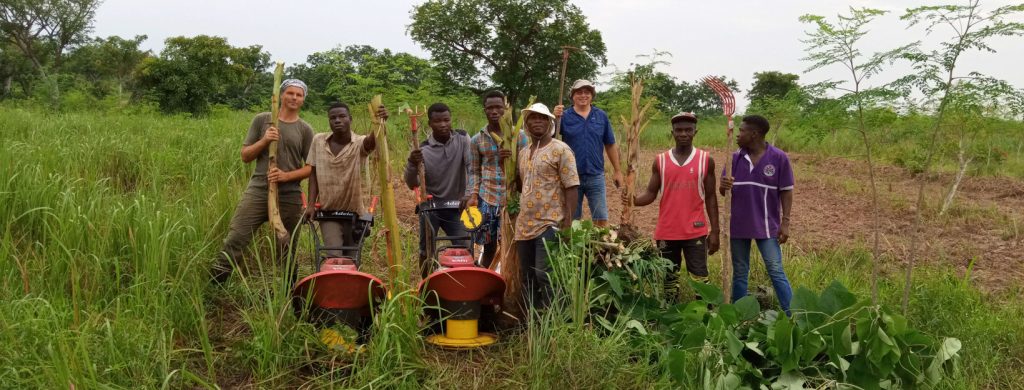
column 837, row 43
column 936, row 75
column 781, row 110
column 972, row 112
column 516, row 44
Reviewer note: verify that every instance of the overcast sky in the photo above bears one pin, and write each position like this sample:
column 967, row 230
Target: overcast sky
column 735, row 38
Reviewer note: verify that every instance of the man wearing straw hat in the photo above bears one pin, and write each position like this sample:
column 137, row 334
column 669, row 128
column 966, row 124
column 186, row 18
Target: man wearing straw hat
column 588, row 132
column 294, row 138
column 548, row 179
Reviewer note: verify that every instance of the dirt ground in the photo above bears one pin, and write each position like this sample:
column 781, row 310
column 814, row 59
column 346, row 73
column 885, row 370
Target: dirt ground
column 832, row 209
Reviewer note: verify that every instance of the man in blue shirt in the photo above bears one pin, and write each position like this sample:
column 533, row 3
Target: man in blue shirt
column 588, row 132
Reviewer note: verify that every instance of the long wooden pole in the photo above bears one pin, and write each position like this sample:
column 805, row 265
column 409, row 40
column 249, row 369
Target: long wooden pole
column 561, row 86
column 387, row 194
column 728, row 109
column 414, row 126
column 280, row 232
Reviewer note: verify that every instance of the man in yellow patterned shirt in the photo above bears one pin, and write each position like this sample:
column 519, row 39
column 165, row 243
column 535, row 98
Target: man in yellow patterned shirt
column 548, row 179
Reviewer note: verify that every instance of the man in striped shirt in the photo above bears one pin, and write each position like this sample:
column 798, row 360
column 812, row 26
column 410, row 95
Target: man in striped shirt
column 487, row 174
column 761, row 182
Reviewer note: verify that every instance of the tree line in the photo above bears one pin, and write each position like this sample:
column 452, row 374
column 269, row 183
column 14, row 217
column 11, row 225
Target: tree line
column 48, row 55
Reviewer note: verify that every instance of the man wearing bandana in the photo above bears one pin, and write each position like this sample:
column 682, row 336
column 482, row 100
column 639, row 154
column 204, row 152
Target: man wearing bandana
column 294, row 137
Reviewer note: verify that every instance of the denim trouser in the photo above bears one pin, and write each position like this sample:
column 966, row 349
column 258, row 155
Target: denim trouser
column 771, row 252
column 447, row 220
column 593, row 188
column 489, row 232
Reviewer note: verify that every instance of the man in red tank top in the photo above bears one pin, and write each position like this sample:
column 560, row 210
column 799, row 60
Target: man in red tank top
column 688, row 204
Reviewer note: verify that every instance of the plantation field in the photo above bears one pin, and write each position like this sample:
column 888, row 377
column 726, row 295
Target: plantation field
column 111, row 219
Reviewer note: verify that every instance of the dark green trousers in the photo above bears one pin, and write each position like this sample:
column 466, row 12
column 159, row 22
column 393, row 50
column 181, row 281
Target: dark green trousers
column 250, row 214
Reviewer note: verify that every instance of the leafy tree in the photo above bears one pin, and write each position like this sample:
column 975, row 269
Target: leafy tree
column 771, row 84
column 672, row 95
column 357, row 73
column 837, row 43
column 513, row 44
column 937, row 76
column 781, row 110
column 108, row 64
column 43, row 29
column 192, row 73
column 14, row 67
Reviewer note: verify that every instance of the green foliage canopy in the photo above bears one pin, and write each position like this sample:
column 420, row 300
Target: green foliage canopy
column 514, row 45
column 192, row 73
column 356, row 73
column 771, row 84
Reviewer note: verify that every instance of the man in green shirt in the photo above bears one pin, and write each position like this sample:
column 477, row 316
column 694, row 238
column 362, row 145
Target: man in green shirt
column 294, row 138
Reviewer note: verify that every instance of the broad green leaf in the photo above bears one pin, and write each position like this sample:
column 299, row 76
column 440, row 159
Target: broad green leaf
column 783, row 336
column 949, row 349
column 844, row 343
column 734, row 344
column 708, row 293
column 636, row 325
column 605, row 323
column 806, row 310
column 752, row 345
column 747, row 308
column 896, row 323
column 694, row 339
column 789, row 380
column 677, row 364
column 804, row 300
column 836, row 298
column 614, row 282
column 811, row 345
column 728, row 314
column 885, row 338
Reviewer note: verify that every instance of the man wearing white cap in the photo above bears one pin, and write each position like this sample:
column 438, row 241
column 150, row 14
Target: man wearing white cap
column 588, row 132
column 294, row 138
column 548, row 179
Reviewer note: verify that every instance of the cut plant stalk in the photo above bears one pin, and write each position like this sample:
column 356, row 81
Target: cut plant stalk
column 273, row 209
column 506, row 260
column 387, row 194
column 414, row 116
column 728, row 109
column 634, row 126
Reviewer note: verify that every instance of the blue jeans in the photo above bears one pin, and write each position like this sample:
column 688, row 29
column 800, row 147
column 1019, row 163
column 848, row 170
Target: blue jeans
column 489, row 232
column 592, row 186
column 447, row 220
column 772, row 254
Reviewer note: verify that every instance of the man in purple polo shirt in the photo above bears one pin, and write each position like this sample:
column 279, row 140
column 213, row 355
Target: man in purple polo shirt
column 762, row 189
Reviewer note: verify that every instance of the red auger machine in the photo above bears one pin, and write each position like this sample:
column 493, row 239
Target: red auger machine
column 337, row 295
column 459, row 291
